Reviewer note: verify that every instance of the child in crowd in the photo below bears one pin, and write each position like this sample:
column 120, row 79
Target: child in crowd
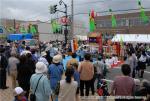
column 19, row 94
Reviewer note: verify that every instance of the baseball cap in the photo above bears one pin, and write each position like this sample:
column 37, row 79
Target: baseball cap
column 19, row 91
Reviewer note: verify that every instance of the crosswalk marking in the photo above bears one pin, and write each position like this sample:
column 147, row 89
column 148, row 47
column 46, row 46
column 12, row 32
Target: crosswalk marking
column 108, row 80
column 147, row 72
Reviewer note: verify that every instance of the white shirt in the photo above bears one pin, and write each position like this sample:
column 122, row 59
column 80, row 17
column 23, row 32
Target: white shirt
column 67, row 91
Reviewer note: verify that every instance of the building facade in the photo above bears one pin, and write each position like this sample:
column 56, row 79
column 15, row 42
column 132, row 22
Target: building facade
column 44, row 29
column 129, row 23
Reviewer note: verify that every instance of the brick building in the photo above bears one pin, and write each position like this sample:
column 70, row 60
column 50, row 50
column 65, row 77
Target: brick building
column 128, row 23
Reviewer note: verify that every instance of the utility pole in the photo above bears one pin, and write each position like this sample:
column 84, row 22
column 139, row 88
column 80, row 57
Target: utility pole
column 14, row 26
column 72, row 20
column 53, row 10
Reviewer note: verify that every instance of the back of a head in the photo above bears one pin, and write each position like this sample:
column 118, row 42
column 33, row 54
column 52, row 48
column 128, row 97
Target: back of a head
column 75, row 65
column 74, row 55
column 23, row 58
column 130, row 53
column 126, row 70
column 69, row 73
column 28, row 48
column 87, row 56
column 99, row 58
column 143, row 53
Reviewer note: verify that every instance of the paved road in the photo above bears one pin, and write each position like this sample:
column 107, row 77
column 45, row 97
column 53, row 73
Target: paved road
column 117, row 71
column 6, row 95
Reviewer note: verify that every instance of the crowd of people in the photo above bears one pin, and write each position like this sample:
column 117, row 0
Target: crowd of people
column 41, row 74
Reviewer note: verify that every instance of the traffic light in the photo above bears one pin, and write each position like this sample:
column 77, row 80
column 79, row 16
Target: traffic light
column 53, row 9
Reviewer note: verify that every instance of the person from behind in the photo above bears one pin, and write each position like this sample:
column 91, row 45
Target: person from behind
column 72, row 61
column 144, row 89
column 68, row 87
column 130, row 62
column 86, row 70
column 24, row 73
column 76, row 78
column 13, row 61
column 123, row 85
column 43, row 58
column 19, row 94
column 142, row 63
column 55, row 71
column 41, row 81
column 98, row 66
column 3, row 67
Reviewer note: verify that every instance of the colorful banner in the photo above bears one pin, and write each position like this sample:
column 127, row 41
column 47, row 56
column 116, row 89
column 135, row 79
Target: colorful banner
column 92, row 16
column 100, row 43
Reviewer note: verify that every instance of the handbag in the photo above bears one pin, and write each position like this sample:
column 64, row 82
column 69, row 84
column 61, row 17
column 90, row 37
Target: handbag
column 32, row 96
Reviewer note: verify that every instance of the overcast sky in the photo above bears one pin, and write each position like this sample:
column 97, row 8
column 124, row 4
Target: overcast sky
column 38, row 9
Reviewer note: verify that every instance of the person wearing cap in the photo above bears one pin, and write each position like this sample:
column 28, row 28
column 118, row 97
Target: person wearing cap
column 55, row 71
column 19, row 94
column 43, row 90
column 43, row 58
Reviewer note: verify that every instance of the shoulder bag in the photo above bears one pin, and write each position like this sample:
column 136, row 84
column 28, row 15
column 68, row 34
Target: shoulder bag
column 32, row 96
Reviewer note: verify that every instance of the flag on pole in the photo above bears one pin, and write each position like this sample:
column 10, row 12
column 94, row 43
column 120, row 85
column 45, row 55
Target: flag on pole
column 113, row 19
column 92, row 21
column 142, row 13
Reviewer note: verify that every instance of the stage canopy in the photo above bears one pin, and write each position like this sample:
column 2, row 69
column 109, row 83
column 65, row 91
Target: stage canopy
column 132, row 38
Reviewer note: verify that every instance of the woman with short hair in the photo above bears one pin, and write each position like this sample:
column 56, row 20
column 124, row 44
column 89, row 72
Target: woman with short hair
column 43, row 90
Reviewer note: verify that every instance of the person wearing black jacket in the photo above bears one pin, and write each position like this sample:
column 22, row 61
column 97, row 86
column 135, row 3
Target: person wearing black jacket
column 25, row 70
column 3, row 67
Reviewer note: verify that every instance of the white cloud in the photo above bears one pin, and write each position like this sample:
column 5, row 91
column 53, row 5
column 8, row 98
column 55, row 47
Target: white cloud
column 38, row 9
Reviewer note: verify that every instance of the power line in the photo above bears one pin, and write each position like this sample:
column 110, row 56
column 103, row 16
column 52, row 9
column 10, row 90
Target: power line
column 112, row 11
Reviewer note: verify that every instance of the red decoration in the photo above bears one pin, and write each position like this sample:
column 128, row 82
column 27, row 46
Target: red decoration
column 93, row 14
column 100, row 42
column 64, row 20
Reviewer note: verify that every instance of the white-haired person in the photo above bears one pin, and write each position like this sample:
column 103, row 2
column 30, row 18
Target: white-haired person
column 43, row 58
column 41, row 81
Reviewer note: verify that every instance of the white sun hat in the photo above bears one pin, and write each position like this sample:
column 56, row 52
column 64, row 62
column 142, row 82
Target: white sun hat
column 40, row 67
column 43, row 54
column 57, row 58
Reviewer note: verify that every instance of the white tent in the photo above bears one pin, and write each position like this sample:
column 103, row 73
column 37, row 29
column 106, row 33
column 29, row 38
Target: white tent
column 81, row 37
column 130, row 38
